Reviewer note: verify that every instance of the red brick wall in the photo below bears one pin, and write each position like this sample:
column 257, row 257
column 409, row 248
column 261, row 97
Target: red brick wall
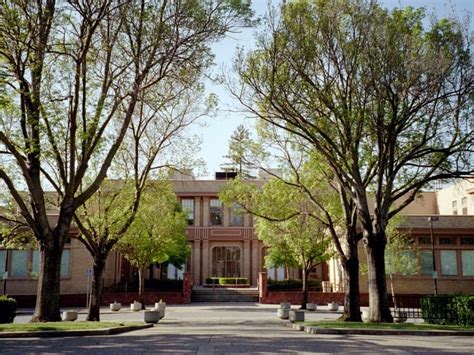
column 79, row 300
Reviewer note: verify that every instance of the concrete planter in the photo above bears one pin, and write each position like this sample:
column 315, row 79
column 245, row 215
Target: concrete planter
column 69, row 316
column 162, row 313
column 135, row 306
column 151, row 316
column 399, row 317
column 311, row 306
column 296, row 316
column 160, row 305
column 283, row 313
column 115, row 306
column 365, row 316
column 333, row 306
column 285, row 305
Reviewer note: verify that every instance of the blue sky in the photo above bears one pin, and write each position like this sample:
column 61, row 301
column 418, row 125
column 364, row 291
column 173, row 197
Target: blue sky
column 216, row 131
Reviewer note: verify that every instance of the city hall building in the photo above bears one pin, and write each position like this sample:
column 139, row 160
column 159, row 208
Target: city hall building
column 223, row 243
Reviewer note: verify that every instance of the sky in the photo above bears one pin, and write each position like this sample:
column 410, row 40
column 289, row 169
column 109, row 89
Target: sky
column 215, row 131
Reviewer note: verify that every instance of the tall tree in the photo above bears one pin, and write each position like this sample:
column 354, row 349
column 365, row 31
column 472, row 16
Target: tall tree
column 72, row 71
column 382, row 99
column 300, row 242
column 155, row 141
column 239, row 143
column 305, row 171
column 157, row 234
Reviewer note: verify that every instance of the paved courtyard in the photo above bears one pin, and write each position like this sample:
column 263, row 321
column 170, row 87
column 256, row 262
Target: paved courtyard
column 229, row 328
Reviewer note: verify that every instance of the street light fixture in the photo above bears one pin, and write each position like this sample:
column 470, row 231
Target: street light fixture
column 435, row 273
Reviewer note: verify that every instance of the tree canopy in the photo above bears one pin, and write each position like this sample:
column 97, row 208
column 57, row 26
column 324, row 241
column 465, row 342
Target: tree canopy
column 381, row 97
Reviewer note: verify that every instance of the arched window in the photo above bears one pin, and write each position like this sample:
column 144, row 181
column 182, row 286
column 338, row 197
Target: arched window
column 226, row 262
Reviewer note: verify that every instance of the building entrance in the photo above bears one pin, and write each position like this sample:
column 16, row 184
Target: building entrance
column 226, row 262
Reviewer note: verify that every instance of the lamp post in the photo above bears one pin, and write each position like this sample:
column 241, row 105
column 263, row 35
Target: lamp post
column 435, row 274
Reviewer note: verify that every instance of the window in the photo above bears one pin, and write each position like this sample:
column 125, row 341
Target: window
column 188, row 205
column 3, row 259
column 449, row 264
column 35, row 263
column 467, row 240
column 226, row 262
column 455, row 207
column 215, row 212
column 19, row 265
column 65, row 262
column 237, row 215
column 424, row 240
column 174, row 273
column 447, row 241
column 464, row 205
column 26, row 263
column 426, row 262
column 467, row 258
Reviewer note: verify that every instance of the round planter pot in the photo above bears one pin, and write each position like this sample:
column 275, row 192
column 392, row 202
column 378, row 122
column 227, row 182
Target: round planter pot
column 69, row 316
column 135, row 306
column 283, row 313
column 285, row 305
column 162, row 313
column 160, row 305
column 115, row 306
column 399, row 317
column 151, row 316
column 311, row 306
column 296, row 316
column 333, row 306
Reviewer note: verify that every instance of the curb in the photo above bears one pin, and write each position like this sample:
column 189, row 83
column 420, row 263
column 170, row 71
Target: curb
column 338, row 331
column 74, row 333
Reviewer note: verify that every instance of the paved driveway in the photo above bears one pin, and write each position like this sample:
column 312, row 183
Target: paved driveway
column 231, row 328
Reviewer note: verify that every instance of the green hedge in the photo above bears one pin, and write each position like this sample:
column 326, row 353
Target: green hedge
column 448, row 309
column 313, row 285
column 7, row 309
column 227, row 281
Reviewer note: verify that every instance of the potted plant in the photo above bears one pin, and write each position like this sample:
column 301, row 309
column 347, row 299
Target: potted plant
column 152, row 316
column 115, row 306
column 160, row 305
column 333, row 306
column 135, row 306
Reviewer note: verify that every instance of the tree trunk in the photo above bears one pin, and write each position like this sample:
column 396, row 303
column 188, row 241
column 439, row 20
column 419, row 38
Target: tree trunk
column 47, row 307
column 141, row 286
column 304, row 299
column 351, row 288
column 93, row 313
column 379, row 310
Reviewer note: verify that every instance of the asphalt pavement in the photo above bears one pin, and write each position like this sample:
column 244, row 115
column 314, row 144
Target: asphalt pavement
column 227, row 328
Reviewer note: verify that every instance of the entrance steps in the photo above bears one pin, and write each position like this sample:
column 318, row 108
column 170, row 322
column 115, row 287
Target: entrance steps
column 224, row 295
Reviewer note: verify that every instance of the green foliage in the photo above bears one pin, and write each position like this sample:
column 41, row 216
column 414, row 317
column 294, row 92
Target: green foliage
column 239, row 144
column 448, row 309
column 291, row 284
column 227, row 281
column 7, row 309
column 158, row 232
column 400, row 252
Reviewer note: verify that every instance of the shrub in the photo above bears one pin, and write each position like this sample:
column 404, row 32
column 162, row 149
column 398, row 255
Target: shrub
column 227, row 281
column 7, row 309
column 448, row 309
column 313, row 285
